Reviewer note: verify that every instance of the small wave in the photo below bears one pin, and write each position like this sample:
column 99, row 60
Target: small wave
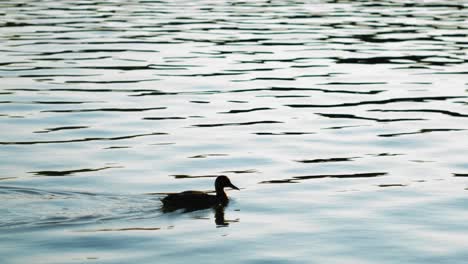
column 423, row 59
column 338, row 176
column 384, row 120
column 60, row 208
column 237, row 124
column 246, row 110
column 113, row 81
column 203, row 156
column 445, row 112
column 327, row 160
column 282, row 133
column 165, row 118
column 387, row 101
column 300, row 89
column 241, row 171
column 48, row 130
column 79, row 139
column 186, row 176
column 392, row 185
column 421, row 131
column 105, row 110
column 123, row 229
column 68, row 172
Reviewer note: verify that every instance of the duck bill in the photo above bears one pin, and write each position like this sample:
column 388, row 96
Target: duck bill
column 234, row 187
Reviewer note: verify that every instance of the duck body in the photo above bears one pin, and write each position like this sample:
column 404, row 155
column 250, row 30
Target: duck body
column 191, row 199
column 196, row 200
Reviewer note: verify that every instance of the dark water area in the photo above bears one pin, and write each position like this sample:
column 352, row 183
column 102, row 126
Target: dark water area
column 344, row 124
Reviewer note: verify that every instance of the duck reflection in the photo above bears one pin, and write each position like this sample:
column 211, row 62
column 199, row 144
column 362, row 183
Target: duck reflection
column 218, row 210
column 220, row 220
column 219, row 216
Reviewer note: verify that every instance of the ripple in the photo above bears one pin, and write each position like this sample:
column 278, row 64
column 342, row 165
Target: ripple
column 348, row 116
column 340, row 127
column 238, row 124
column 48, row 130
column 165, row 118
column 338, row 176
column 298, row 89
column 422, row 59
column 282, row 133
column 392, row 185
column 203, row 156
column 352, row 83
column 113, row 81
column 204, row 74
column 117, row 147
column 421, row 131
column 49, row 53
column 387, row 101
column 445, row 112
column 123, row 229
column 267, row 79
column 85, row 90
column 241, row 171
column 326, row 160
column 246, row 110
column 55, row 75
column 186, row 176
column 79, row 139
column 68, row 172
column 105, row 110
column 385, row 154
column 62, row 102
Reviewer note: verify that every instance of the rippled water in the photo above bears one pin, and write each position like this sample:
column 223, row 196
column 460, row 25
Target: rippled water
column 343, row 122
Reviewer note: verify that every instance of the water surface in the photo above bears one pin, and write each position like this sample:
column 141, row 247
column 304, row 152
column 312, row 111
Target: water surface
column 343, row 122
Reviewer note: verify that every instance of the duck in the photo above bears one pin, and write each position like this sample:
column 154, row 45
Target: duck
column 197, row 200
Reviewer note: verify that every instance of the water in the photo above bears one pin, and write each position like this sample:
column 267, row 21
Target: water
column 343, row 122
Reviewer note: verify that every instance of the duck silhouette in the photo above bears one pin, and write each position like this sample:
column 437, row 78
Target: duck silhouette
column 197, row 200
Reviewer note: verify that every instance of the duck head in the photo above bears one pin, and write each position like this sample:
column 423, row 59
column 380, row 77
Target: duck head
column 222, row 182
